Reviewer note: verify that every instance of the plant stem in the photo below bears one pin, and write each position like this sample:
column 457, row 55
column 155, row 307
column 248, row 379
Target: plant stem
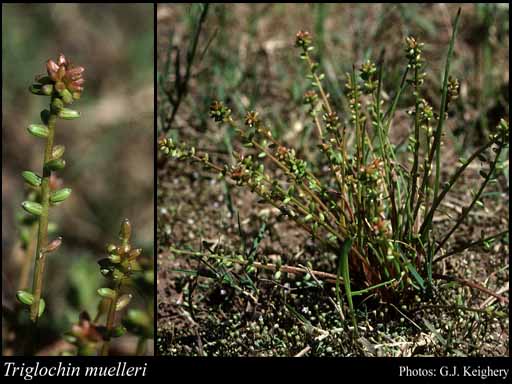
column 141, row 347
column 28, row 259
column 42, row 235
column 110, row 320
column 465, row 211
column 470, row 245
column 325, row 276
column 414, row 171
column 181, row 87
column 430, row 213
column 437, row 142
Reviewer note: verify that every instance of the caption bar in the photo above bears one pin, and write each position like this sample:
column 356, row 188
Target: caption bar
column 59, row 369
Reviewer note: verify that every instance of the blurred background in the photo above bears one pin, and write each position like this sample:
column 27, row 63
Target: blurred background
column 109, row 150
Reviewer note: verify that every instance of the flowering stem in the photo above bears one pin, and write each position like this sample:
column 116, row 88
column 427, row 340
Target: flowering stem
column 141, row 347
column 28, row 258
column 42, row 235
column 110, row 319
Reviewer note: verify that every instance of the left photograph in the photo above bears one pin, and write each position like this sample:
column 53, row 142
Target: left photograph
column 77, row 179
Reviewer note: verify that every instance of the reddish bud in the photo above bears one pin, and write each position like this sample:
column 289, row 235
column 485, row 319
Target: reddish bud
column 53, row 246
column 52, row 69
column 62, row 60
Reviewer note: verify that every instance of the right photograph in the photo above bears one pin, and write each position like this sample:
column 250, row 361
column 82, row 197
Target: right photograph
column 332, row 180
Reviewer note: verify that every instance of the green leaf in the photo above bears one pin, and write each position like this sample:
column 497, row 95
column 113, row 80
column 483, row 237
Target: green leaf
column 343, row 270
column 433, row 329
column 415, row 274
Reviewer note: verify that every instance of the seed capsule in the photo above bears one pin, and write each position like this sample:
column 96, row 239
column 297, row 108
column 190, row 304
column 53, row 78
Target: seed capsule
column 36, row 89
column 58, row 151
column 68, row 114
column 38, row 130
column 32, row 207
column 117, row 275
column 149, row 277
column 31, row 178
column 47, row 89
column 126, row 230
column 45, row 116
column 42, row 306
column 57, row 105
column 25, row 297
column 123, row 249
column 137, row 317
column 134, row 253
column 106, row 293
column 116, row 259
column 55, row 165
column 118, row 331
column 60, row 195
column 111, row 248
column 53, row 246
column 123, row 302
column 67, row 97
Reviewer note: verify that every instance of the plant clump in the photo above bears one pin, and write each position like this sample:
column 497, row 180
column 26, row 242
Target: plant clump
column 375, row 208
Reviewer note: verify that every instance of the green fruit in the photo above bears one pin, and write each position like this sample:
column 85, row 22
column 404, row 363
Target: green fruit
column 42, row 306
column 57, row 105
column 107, row 293
column 38, row 130
column 68, row 114
column 60, row 195
column 36, row 89
column 32, row 207
column 139, row 323
column 123, row 302
column 111, row 248
column 44, row 80
column 45, row 116
column 31, row 178
column 67, row 97
column 25, row 297
column 126, row 230
column 47, row 89
column 55, row 165
column 58, row 151
column 118, row 331
column 116, row 259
